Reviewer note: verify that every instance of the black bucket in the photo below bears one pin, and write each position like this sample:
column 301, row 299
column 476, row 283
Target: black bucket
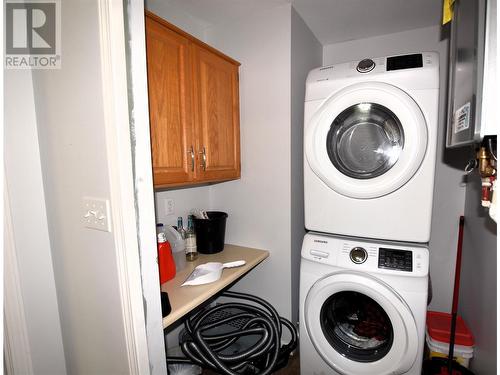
column 210, row 232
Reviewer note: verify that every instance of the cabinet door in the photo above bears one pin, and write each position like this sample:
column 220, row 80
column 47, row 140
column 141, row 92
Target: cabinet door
column 170, row 105
column 216, row 116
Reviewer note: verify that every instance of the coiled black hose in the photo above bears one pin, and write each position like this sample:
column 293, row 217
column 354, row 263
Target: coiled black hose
column 206, row 347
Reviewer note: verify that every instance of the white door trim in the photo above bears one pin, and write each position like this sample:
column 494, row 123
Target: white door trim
column 118, row 145
column 17, row 351
column 143, row 175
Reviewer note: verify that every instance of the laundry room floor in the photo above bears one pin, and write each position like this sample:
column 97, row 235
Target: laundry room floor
column 293, row 367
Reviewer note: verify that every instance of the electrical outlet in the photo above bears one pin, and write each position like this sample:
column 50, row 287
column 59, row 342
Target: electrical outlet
column 96, row 214
column 169, row 206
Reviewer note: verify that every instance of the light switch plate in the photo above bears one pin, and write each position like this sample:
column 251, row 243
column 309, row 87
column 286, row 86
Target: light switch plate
column 169, row 206
column 96, row 213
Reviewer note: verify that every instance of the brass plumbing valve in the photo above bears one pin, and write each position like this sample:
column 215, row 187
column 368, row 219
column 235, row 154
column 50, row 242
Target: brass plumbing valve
column 486, row 163
column 487, row 170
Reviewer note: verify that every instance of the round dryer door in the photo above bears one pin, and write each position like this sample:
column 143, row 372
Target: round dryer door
column 366, row 140
column 359, row 325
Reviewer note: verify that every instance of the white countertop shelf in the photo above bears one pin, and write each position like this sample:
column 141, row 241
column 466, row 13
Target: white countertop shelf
column 187, row 298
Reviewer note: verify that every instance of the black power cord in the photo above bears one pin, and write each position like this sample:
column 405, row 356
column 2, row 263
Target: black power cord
column 237, row 338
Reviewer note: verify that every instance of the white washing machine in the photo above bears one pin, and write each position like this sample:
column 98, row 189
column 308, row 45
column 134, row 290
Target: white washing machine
column 362, row 306
column 370, row 134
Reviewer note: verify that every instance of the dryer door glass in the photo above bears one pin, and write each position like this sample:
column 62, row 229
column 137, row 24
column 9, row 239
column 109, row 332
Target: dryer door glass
column 356, row 326
column 365, row 140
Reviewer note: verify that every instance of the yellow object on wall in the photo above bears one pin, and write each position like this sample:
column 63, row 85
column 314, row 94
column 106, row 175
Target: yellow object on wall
column 447, row 11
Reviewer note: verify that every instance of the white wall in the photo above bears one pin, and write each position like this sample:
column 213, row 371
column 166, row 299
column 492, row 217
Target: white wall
column 71, row 128
column 259, row 203
column 449, row 191
column 306, row 54
column 382, row 45
column 185, row 200
column 478, row 284
column 187, row 22
column 29, row 222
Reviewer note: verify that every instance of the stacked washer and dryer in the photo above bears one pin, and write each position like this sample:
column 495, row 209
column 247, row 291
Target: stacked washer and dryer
column 370, row 134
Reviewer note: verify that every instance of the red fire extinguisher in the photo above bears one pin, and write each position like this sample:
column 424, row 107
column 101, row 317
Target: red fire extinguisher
column 166, row 262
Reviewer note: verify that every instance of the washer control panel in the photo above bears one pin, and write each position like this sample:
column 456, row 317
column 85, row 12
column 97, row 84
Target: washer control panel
column 365, row 66
column 395, row 259
column 319, row 254
column 384, row 257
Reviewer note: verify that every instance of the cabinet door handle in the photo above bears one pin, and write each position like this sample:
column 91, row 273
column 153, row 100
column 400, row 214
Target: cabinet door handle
column 191, row 152
column 203, row 159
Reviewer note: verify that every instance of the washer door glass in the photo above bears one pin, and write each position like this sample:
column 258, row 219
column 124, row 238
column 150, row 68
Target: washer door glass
column 365, row 140
column 356, row 326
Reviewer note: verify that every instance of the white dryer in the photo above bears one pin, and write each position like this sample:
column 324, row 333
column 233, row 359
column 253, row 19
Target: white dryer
column 370, row 134
column 362, row 306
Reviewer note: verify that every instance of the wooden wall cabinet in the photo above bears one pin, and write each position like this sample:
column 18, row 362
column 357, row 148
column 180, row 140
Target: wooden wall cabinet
column 193, row 108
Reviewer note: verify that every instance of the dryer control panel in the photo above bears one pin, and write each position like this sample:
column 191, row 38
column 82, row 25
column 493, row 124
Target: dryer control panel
column 416, row 71
column 414, row 60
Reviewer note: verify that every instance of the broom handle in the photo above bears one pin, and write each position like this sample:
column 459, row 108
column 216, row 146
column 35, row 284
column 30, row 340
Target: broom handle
column 452, row 342
column 456, row 290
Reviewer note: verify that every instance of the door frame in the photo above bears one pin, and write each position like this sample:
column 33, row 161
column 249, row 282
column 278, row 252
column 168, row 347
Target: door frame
column 135, row 49
column 122, row 188
column 17, row 351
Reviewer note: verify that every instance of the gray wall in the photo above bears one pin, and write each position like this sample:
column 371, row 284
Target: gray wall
column 307, row 54
column 449, row 191
column 478, row 285
column 70, row 119
column 259, row 203
column 187, row 22
column 23, row 180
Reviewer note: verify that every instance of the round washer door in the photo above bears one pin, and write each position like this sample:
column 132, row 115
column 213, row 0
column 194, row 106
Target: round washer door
column 359, row 325
column 366, row 140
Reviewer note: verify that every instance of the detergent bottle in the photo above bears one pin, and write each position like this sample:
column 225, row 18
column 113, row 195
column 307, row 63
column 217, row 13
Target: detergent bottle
column 178, row 245
column 166, row 262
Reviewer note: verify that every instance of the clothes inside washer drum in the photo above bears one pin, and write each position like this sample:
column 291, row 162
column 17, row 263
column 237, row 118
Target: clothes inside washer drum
column 356, row 326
